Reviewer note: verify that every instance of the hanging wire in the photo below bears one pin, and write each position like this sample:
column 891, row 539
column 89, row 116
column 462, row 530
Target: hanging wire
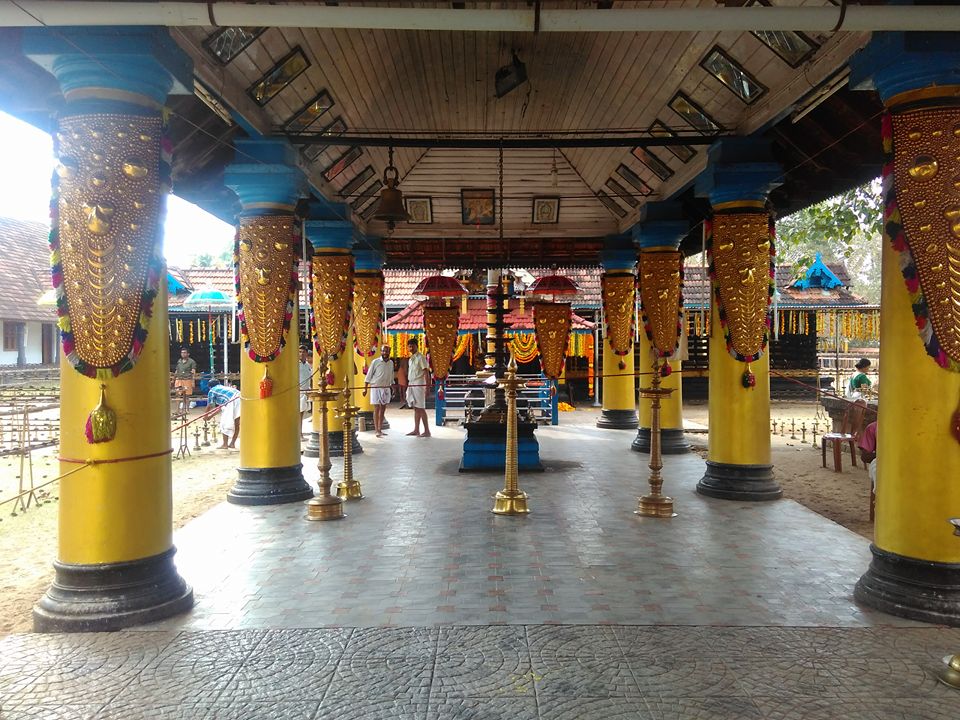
column 500, row 198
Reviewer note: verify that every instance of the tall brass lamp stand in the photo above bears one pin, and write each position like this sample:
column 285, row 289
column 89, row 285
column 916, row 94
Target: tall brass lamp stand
column 655, row 504
column 325, row 506
column 511, row 500
column 348, row 488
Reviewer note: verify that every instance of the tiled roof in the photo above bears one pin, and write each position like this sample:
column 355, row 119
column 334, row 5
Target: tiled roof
column 25, row 271
column 401, row 283
column 410, row 319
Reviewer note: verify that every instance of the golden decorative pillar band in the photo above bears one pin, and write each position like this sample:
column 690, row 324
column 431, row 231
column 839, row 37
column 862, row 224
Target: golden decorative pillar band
column 619, row 304
column 551, row 323
column 368, row 288
column 741, row 251
column 331, row 302
column 661, row 298
column 105, row 240
column 440, row 325
column 266, row 283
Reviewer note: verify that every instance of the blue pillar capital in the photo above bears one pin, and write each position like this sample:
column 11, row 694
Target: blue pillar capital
column 370, row 257
column 618, row 253
column 265, row 175
column 896, row 62
column 330, row 234
column 661, row 225
column 110, row 66
column 739, row 170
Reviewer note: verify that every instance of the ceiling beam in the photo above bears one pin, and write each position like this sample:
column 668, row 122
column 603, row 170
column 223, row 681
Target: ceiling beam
column 34, row 13
column 508, row 143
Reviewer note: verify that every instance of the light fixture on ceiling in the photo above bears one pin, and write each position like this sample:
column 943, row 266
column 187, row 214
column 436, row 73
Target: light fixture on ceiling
column 390, row 207
column 510, row 76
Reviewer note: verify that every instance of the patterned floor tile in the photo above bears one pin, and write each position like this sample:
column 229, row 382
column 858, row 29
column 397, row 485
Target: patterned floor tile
column 483, row 709
column 393, row 642
column 370, row 708
column 683, row 677
column 263, row 711
column 372, row 677
column 725, row 708
column 581, row 708
column 570, row 641
column 584, row 677
column 819, row 708
column 49, row 712
column 155, row 709
column 480, row 676
column 489, row 641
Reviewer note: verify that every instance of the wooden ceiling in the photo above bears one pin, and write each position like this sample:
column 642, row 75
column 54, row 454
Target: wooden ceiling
column 439, row 83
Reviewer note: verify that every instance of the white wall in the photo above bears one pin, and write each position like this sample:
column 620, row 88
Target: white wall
column 33, row 345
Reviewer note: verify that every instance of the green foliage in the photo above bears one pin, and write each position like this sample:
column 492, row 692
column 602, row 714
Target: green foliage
column 847, row 228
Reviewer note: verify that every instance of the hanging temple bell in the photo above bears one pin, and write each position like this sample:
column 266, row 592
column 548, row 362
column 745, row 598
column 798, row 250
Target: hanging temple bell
column 390, row 208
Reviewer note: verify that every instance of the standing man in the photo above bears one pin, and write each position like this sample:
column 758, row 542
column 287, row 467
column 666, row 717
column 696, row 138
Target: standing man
column 184, row 378
column 306, row 374
column 228, row 400
column 418, row 375
column 380, row 377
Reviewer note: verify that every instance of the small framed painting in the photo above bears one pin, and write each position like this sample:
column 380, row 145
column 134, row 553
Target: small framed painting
column 477, row 206
column 420, row 210
column 546, row 210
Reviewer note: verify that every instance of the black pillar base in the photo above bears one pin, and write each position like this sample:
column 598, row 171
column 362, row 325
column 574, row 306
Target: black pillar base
column 618, row 419
column 672, row 441
column 113, row 596
column 910, row 588
column 311, row 448
column 739, row 482
column 335, row 443
column 269, row 486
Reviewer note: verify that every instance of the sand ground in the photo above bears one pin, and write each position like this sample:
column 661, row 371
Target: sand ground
column 28, row 542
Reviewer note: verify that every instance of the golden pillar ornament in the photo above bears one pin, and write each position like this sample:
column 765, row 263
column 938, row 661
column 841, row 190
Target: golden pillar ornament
column 368, row 288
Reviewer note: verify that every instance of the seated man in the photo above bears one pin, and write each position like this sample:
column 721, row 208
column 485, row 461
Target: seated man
column 868, row 450
column 228, row 400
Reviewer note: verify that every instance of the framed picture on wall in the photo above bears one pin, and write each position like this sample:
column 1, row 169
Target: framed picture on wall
column 477, row 206
column 546, row 210
column 420, row 210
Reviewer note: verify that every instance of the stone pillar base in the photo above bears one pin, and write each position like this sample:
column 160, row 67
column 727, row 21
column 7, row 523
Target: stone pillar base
column 269, row 486
column 113, row 596
column 335, row 444
column 739, row 482
column 672, row 441
column 910, row 588
column 311, row 448
column 618, row 420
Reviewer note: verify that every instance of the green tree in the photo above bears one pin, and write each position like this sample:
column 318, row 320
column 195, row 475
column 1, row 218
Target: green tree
column 847, row 228
column 205, row 260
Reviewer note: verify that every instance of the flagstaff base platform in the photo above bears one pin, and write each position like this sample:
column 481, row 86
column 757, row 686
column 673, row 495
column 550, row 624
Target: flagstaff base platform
column 486, row 444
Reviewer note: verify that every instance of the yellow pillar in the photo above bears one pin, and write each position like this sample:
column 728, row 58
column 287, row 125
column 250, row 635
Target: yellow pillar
column 619, row 390
column 114, row 566
column 120, row 511
column 914, row 571
column 672, row 441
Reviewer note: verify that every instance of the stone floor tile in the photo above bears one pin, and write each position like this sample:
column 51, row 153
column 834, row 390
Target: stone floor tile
column 711, row 708
column 484, row 640
column 479, row 676
column 572, row 641
column 49, row 712
column 595, row 677
column 376, row 677
column 487, row 708
column 847, row 708
column 562, row 707
column 393, row 642
column 155, row 709
column 262, row 711
column 342, row 707
column 683, row 677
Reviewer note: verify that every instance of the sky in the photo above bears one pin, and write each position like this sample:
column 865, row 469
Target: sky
column 25, row 195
